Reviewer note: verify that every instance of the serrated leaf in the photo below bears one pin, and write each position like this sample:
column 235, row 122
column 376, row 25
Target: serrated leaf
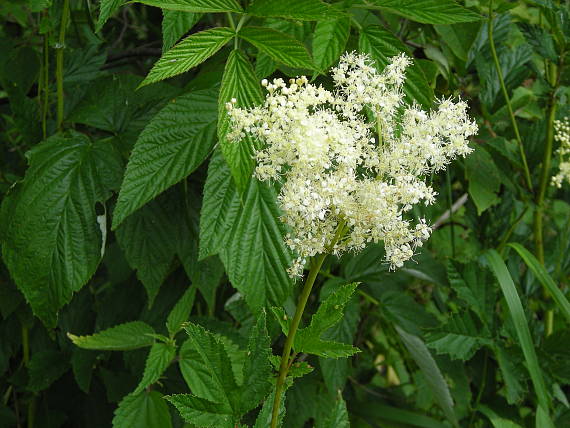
column 203, row 6
column 483, row 177
column 201, row 412
column 264, row 65
column 279, row 46
column 146, row 409
column 257, row 369
column 427, row 11
column 431, row 372
column 513, row 374
column 51, row 240
column 381, row 45
column 256, row 257
column 45, row 367
column 304, row 10
column 459, row 337
column 338, row 417
column 329, row 41
column 123, row 337
column 190, row 52
column 181, row 311
column 540, row 40
column 239, row 82
column 220, row 207
column 106, row 9
column 157, row 361
column 175, row 24
column 264, row 418
column 172, row 145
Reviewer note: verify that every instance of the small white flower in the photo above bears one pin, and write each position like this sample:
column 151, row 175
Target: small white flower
column 562, row 135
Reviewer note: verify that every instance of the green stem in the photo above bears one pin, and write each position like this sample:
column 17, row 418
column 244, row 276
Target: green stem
column 450, row 203
column 44, row 78
column 59, row 63
column 507, row 99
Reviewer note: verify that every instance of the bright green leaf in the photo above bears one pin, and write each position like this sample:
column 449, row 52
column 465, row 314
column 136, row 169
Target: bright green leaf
column 146, row 409
column 159, row 358
column 427, row 11
column 107, row 8
column 181, row 311
column 329, row 41
column 201, row 412
column 202, row 6
column 483, row 177
column 303, row 10
column 175, row 24
column 123, row 337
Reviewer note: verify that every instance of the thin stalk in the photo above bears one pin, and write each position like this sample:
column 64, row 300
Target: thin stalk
column 59, row 63
column 303, row 298
column 507, row 99
column 450, row 203
column 44, row 78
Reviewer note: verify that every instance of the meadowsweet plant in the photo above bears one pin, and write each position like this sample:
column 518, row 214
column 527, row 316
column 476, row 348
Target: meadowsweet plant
column 349, row 180
column 562, row 135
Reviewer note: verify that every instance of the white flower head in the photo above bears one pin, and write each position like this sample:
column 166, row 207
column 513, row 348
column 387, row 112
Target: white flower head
column 562, row 135
column 338, row 168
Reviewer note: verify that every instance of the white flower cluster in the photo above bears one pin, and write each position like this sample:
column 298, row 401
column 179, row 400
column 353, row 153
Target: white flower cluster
column 562, row 135
column 344, row 173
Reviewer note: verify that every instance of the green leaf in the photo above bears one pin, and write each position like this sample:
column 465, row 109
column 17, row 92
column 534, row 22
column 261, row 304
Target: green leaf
column 159, row 358
column 190, row 52
column 338, row 417
column 172, row 145
column 106, row 9
column 146, row 409
column 264, row 418
column 329, row 41
column 220, row 207
column 175, row 24
column 202, row 6
column 123, row 337
column 431, row 372
column 515, row 387
column 330, row 312
column 51, row 235
column 279, row 46
column 303, row 10
column 483, row 177
column 497, row 421
column 545, row 279
column 459, row 337
column 181, row 311
column 381, row 45
column 540, row 40
column 239, row 82
column 256, row 257
column 201, row 412
column 82, row 364
column 427, row 11
column 519, row 320
column 46, row 366
column 257, row 369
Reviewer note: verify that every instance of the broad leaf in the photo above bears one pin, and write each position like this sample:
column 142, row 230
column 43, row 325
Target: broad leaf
column 255, row 257
column 175, row 24
column 264, row 417
column 157, row 361
column 279, row 46
column 427, row 11
column 146, row 409
column 181, row 311
column 484, row 179
column 106, row 9
column 189, row 53
column 195, row 5
column 123, row 337
column 241, row 83
column 381, row 45
column 303, row 10
column 45, row 367
column 51, row 237
column 329, row 41
column 172, row 145
column 338, row 418
column 201, row 412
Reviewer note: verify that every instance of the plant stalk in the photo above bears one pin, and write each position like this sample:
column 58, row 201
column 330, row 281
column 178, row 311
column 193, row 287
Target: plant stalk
column 59, row 63
column 507, row 99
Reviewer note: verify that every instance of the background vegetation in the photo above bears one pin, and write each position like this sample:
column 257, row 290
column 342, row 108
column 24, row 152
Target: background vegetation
column 125, row 213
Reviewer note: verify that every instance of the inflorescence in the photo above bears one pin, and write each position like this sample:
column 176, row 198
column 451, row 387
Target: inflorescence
column 355, row 158
column 562, row 135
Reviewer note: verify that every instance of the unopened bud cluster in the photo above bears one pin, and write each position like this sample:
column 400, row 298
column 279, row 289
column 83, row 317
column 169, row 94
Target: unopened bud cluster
column 339, row 168
column 562, row 135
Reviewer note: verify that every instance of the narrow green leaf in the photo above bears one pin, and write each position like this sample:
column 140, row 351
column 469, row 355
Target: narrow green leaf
column 201, row 412
column 303, row 10
column 157, row 361
column 519, row 320
column 256, row 257
column 544, row 278
column 106, row 9
column 239, row 82
column 51, row 239
column 175, row 24
column 146, row 409
column 203, row 6
column 123, row 337
column 427, row 11
column 190, row 52
column 329, row 41
column 172, row 145
column 381, row 45
column 220, row 207
column 279, row 46
column 431, row 372
column 181, row 311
